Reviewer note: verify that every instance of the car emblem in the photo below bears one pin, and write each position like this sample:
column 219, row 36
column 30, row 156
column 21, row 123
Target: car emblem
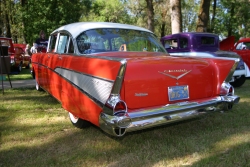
column 165, row 72
column 141, row 94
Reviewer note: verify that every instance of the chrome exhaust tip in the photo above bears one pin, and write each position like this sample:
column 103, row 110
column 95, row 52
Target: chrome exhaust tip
column 119, row 131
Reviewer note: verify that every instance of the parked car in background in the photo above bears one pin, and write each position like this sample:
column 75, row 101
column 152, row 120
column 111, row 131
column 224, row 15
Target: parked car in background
column 6, row 54
column 120, row 78
column 21, row 59
column 18, row 59
column 202, row 45
column 11, row 51
column 241, row 47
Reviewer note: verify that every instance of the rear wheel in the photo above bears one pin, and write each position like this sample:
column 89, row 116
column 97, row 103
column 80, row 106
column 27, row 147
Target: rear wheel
column 78, row 122
column 239, row 81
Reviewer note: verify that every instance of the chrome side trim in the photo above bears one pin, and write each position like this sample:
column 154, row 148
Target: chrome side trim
column 97, row 88
column 151, row 117
column 115, row 93
column 230, row 74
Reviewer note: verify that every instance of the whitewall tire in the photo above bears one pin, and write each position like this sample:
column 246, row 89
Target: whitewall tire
column 78, row 122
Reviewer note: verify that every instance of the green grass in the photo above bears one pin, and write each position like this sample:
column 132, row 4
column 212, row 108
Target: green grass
column 23, row 75
column 36, row 131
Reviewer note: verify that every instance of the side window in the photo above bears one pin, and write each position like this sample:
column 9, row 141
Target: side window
column 62, row 43
column 183, row 43
column 4, row 43
column 243, row 46
column 171, row 44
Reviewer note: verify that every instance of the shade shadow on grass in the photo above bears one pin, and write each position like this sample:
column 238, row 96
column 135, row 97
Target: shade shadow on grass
column 212, row 140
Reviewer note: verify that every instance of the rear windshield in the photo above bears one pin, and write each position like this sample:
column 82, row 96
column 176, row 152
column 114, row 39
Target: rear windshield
column 106, row 40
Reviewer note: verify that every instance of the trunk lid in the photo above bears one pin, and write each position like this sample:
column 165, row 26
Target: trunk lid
column 151, row 81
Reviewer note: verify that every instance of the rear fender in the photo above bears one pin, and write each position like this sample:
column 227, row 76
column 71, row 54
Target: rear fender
column 224, row 70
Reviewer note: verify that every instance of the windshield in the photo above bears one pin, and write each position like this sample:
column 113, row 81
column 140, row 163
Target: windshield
column 112, row 39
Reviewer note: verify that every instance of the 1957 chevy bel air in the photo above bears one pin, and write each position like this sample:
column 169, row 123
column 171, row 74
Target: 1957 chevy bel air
column 120, row 78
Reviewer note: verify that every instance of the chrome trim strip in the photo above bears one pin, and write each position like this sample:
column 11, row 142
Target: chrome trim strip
column 115, row 93
column 151, row 117
column 216, row 55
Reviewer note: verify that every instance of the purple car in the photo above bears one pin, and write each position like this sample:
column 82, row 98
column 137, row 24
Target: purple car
column 202, row 45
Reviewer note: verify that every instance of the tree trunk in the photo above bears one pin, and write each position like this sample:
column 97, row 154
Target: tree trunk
column 7, row 24
column 176, row 17
column 203, row 16
column 163, row 29
column 150, row 12
column 213, row 17
column 230, row 28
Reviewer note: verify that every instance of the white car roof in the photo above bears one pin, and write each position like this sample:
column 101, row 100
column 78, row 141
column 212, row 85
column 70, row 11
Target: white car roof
column 76, row 28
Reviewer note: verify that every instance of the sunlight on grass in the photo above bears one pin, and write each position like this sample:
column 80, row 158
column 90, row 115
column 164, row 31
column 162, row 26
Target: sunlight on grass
column 222, row 147
column 36, row 131
column 232, row 141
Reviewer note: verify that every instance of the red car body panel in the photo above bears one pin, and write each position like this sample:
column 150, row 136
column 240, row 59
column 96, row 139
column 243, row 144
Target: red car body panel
column 229, row 44
column 121, row 90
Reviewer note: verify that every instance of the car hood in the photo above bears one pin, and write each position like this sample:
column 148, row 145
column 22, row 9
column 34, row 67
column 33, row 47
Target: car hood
column 227, row 44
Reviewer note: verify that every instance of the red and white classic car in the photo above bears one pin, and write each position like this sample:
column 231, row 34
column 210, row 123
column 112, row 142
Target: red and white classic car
column 120, row 78
column 241, row 47
column 21, row 59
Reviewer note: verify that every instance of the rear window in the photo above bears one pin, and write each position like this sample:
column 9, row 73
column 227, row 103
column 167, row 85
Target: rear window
column 114, row 39
column 207, row 40
column 5, row 42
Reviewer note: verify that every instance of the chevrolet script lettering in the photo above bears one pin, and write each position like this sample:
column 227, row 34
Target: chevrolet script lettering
column 183, row 71
column 141, row 94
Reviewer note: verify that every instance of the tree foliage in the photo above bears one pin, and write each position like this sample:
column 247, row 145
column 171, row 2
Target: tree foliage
column 107, row 11
column 28, row 17
column 23, row 19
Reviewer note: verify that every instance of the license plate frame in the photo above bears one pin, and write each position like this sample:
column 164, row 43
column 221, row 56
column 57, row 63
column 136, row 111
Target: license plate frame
column 178, row 92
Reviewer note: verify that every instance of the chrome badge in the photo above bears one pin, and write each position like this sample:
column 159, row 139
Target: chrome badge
column 183, row 73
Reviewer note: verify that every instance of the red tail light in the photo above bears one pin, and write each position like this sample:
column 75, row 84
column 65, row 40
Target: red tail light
column 226, row 89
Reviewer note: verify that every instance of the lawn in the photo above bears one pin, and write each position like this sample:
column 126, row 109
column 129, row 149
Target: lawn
column 23, row 75
column 36, row 131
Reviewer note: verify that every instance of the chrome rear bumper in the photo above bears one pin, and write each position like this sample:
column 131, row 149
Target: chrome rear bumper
column 151, row 117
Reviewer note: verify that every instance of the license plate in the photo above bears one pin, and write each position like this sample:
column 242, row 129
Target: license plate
column 178, row 92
